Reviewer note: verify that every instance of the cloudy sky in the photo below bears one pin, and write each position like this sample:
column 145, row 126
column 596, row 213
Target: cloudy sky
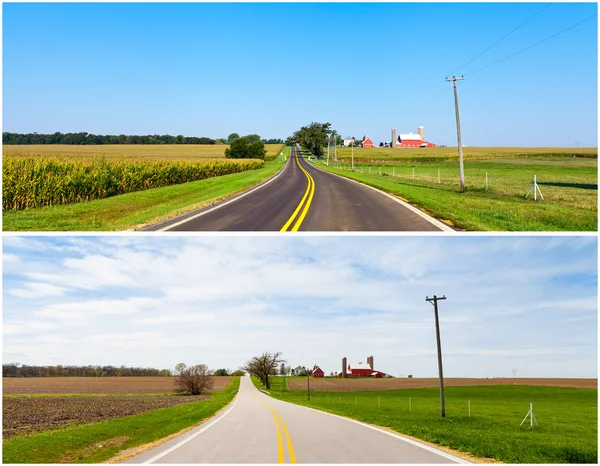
column 513, row 302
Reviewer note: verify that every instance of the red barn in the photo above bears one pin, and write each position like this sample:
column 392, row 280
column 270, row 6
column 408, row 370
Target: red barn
column 414, row 140
column 367, row 142
column 363, row 370
column 318, row 372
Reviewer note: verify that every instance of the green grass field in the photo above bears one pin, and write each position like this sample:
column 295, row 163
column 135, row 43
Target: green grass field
column 567, row 417
column 98, row 442
column 569, row 186
column 134, row 210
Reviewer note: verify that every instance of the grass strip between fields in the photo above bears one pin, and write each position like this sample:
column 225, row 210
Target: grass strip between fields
column 133, row 210
column 567, row 417
column 94, row 443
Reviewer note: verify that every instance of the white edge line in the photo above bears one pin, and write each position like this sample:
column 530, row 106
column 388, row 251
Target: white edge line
column 250, row 191
column 397, row 436
column 174, row 447
column 434, row 221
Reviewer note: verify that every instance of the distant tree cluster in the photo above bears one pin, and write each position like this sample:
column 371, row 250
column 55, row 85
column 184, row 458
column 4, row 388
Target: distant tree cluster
column 246, row 148
column 314, row 137
column 23, row 370
column 252, row 138
column 87, row 138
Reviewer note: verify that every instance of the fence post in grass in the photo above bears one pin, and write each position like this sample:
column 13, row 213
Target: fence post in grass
column 409, row 405
column 369, row 169
column 379, row 402
column 413, row 173
column 380, row 170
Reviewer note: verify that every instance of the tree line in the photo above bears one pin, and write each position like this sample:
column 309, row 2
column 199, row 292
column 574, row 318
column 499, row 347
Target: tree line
column 84, row 138
column 23, row 370
column 87, row 138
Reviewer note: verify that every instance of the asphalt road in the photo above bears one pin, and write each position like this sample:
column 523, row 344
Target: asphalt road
column 259, row 429
column 302, row 197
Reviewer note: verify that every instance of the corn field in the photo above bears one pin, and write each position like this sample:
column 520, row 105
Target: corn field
column 32, row 182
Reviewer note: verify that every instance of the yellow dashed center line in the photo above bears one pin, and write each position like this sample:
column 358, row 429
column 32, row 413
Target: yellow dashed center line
column 304, row 202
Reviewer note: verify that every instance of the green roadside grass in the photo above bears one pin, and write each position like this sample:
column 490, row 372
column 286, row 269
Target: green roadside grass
column 98, row 442
column 134, row 210
column 569, row 187
column 567, row 418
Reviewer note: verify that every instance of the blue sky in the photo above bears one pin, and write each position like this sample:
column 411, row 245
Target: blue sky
column 513, row 302
column 213, row 69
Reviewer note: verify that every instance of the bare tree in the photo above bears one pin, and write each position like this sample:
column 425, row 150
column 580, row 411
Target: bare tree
column 195, row 379
column 263, row 366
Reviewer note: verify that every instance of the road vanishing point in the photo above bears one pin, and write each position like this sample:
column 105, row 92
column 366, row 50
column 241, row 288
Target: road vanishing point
column 302, row 197
column 256, row 428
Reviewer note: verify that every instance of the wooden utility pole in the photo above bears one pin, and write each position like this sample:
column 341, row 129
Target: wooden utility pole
column 460, row 155
column 435, row 299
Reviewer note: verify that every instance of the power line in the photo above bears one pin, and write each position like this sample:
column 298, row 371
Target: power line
column 530, row 258
column 534, row 45
column 496, row 253
column 503, row 37
column 432, row 90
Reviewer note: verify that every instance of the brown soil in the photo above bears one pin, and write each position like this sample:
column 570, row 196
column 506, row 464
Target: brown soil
column 357, row 385
column 28, row 415
column 96, row 385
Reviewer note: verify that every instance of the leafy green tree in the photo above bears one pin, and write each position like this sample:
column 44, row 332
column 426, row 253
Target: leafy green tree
column 221, row 372
column 232, row 137
column 313, row 137
column 239, row 373
column 253, row 137
column 243, row 148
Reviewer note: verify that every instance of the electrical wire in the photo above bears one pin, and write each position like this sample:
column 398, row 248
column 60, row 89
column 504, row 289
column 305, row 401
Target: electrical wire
column 496, row 253
column 503, row 37
column 480, row 54
column 529, row 258
column 534, row 45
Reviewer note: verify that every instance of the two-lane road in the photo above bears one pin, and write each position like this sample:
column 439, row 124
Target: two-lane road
column 302, row 197
column 259, row 429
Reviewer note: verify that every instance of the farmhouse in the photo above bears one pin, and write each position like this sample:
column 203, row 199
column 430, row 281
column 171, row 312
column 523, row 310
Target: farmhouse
column 348, row 141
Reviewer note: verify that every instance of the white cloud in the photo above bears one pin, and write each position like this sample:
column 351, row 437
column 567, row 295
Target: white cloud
column 157, row 301
column 37, row 290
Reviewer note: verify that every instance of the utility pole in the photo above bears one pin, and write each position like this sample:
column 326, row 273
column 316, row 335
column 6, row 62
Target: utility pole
column 435, row 299
column 328, row 141
column 352, row 154
column 460, row 155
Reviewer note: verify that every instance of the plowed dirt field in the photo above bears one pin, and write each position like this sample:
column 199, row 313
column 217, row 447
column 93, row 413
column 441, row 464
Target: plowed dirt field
column 359, row 385
column 96, row 385
column 22, row 416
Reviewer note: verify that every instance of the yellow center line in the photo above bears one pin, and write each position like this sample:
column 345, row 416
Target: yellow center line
column 309, row 193
column 311, row 183
column 280, row 425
